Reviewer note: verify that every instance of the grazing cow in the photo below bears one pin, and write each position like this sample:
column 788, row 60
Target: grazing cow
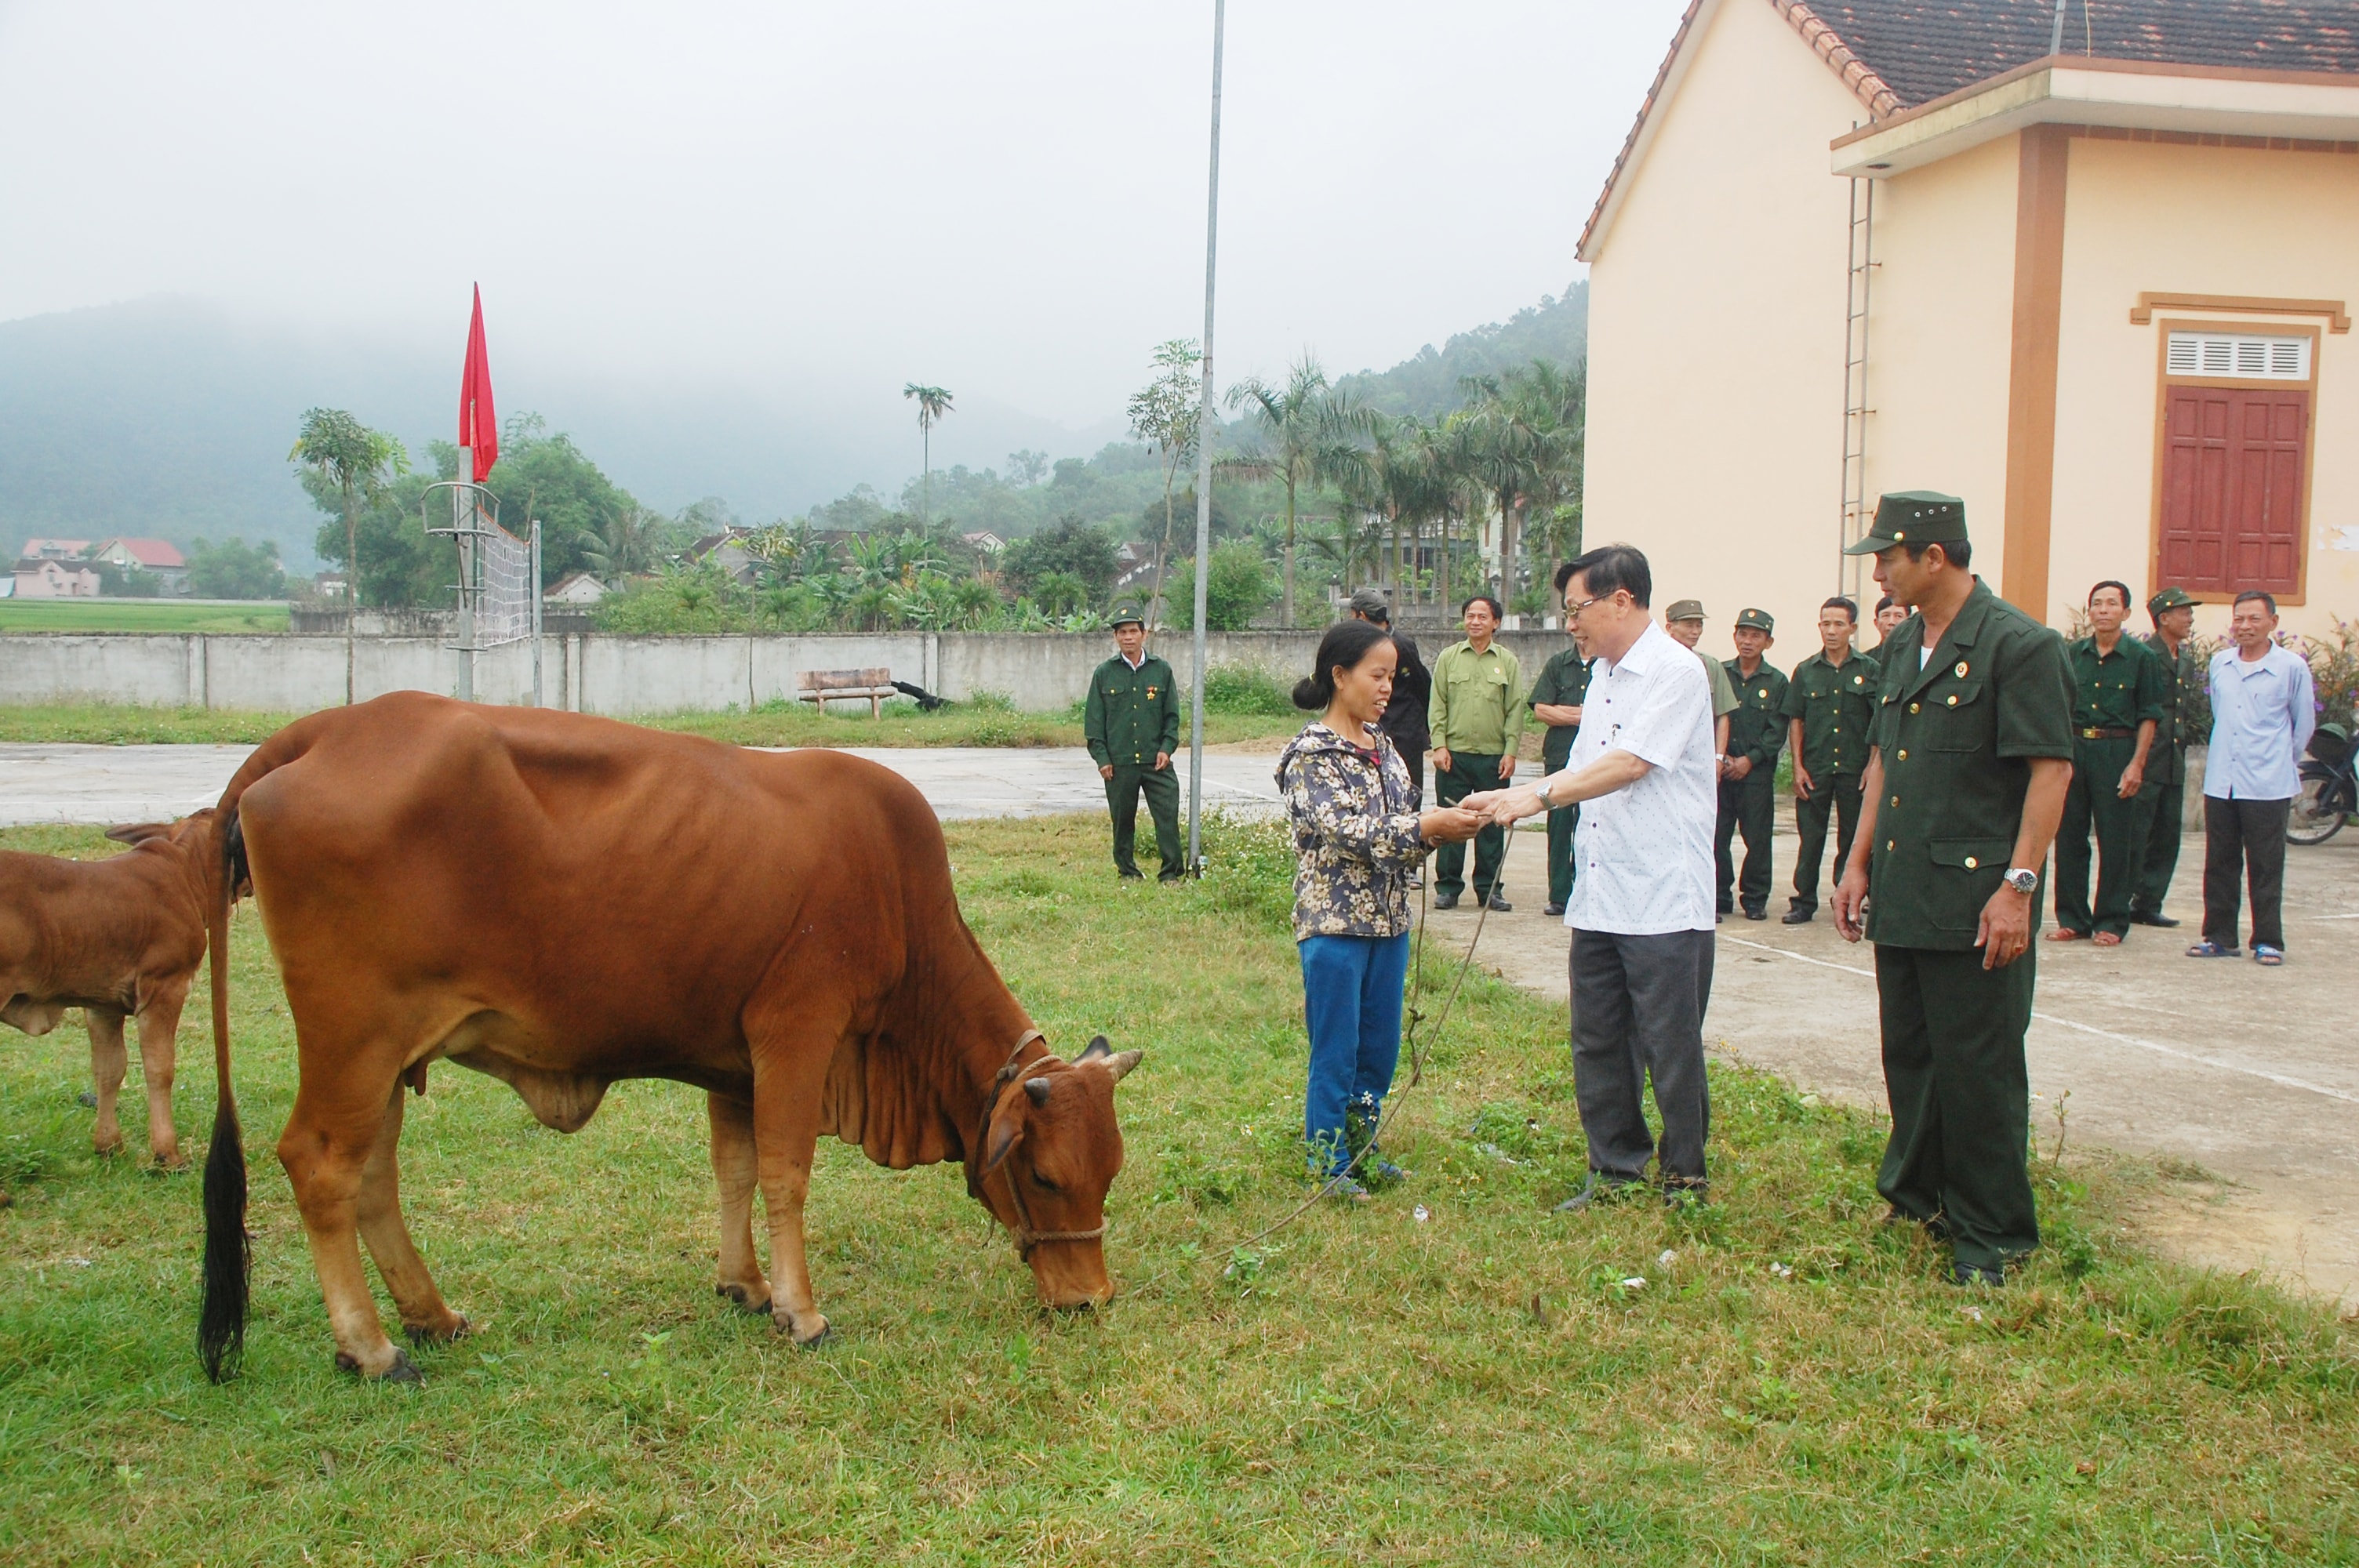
column 562, row 902
column 116, row 937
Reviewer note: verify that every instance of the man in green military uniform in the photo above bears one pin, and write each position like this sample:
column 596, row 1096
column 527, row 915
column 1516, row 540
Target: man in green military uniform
column 1556, row 701
column 2117, row 683
column 2162, row 799
column 1130, row 723
column 1965, row 782
column 1756, row 733
column 1476, row 714
column 1684, row 622
column 1829, row 708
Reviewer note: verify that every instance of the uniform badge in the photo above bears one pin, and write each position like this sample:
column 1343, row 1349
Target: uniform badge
column 1762, row 692
column 1961, row 669
column 1150, row 690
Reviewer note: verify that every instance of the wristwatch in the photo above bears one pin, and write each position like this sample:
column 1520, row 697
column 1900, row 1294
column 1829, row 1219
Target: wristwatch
column 2021, row 881
column 1542, row 789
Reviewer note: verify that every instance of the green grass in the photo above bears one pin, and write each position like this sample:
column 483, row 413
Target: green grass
column 136, row 615
column 778, row 724
column 1366, row 1387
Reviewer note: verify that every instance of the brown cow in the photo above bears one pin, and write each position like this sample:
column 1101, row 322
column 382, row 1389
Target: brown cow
column 562, row 902
column 116, row 937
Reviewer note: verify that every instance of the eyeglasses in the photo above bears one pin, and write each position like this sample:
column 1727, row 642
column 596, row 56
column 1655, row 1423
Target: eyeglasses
column 1572, row 611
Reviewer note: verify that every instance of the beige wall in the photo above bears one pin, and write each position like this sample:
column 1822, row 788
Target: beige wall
column 1938, row 344
column 2143, row 216
column 1716, row 333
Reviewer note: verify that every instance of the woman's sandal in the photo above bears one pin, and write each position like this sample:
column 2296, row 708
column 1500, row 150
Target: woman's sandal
column 2213, row 950
column 2267, row 955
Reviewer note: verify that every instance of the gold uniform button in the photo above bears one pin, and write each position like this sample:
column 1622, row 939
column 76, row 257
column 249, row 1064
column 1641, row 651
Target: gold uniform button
column 1888, row 844
column 1972, row 862
column 1954, row 700
column 1904, row 753
column 1912, row 708
column 1896, row 800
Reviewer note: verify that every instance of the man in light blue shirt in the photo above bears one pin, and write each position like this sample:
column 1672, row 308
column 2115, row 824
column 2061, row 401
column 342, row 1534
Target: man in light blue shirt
column 2263, row 710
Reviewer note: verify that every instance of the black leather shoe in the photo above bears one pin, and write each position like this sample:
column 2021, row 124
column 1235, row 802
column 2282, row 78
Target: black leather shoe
column 1976, row 1274
column 1445, row 901
column 2162, row 922
column 1134, row 876
column 1797, row 917
column 1500, row 905
column 1756, row 914
column 1551, row 909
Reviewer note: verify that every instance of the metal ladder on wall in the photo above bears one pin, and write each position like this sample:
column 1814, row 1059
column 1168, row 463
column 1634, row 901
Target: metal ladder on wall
column 1851, row 571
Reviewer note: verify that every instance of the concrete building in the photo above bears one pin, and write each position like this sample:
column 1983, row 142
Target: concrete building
column 575, row 588
column 156, row 557
column 47, row 577
column 2087, row 263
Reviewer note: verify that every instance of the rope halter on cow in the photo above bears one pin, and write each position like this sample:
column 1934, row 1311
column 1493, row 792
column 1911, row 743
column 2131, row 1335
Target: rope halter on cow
column 1026, row 1237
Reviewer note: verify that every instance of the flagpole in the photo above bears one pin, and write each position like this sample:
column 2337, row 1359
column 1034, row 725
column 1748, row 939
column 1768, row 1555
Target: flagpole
column 463, row 519
column 1204, row 473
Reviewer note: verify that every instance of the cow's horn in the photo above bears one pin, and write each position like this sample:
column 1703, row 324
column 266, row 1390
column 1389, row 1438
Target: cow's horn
column 1122, row 1062
column 1037, row 1088
column 1097, row 1047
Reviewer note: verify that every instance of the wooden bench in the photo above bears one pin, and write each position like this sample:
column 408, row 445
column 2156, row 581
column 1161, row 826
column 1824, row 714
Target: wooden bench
column 820, row 687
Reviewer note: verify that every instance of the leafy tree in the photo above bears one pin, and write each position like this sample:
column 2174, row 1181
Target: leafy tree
column 1168, row 414
column 1026, row 468
column 357, row 463
column 933, row 402
column 1084, row 550
column 550, row 480
column 1524, row 429
column 626, row 546
column 1237, row 589
column 1308, row 432
column 234, row 569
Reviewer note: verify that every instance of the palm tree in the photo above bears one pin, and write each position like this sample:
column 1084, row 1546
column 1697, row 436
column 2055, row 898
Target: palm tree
column 933, row 402
column 359, row 463
column 1525, row 429
column 1167, row 416
column 625, row 547
column 1308, row 433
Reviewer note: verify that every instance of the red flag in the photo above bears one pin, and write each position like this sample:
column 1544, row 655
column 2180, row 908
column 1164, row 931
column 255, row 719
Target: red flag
column 479, row 427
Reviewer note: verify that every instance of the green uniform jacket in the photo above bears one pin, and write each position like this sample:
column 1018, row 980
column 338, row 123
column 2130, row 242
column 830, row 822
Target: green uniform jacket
column 1837, row 707
column 1478, row 701
column 2166, row 762
column 1756, row 729
column 1131, row 714
column 1563, row 682
column 1723, row 696
column 2119, row 690
column 1957, row 739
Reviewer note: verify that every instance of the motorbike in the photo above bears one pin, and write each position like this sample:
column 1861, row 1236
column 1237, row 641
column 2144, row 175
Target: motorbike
column 2329, row 792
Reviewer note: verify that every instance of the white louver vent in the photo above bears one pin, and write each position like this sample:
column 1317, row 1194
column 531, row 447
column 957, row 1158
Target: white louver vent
column 2238, row 357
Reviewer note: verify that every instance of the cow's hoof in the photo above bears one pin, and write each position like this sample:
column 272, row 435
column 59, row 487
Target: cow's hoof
column 177, row 1165
column 743, row 1298
column 786, row 1326
column 108, row 1150
column 439, row 1332
column 401, row 1371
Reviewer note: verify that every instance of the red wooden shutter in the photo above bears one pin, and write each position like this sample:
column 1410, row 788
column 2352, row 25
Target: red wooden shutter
column 2232, row 476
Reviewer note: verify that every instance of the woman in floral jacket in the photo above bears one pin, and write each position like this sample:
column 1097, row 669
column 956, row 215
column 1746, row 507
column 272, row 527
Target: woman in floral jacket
column 1359, row 839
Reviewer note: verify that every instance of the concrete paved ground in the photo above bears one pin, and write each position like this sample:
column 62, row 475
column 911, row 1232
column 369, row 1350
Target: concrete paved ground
column 144, row 784
column 2251, row 1075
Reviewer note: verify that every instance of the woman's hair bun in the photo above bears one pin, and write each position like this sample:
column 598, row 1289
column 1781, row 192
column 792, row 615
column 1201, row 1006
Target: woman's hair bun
column 1307, row 695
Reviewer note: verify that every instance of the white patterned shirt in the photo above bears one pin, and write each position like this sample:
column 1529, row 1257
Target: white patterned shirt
column 1644, row 852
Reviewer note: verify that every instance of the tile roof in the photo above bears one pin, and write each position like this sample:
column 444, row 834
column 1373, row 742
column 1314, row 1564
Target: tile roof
column 150, row 552
column 1927, row 48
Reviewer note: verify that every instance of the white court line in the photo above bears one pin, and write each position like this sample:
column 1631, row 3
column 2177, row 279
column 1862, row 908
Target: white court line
column 2278, row 1078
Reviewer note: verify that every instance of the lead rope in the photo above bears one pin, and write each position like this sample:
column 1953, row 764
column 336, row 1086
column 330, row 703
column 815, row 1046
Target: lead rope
column 1025, row 1237
column 1418, row 1051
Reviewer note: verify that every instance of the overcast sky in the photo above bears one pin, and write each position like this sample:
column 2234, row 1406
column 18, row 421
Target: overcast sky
column 1006, row 200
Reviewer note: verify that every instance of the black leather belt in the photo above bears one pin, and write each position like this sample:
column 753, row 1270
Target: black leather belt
column 2097, row 734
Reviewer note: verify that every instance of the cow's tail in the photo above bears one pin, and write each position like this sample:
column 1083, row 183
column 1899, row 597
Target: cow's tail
column 228, row 1267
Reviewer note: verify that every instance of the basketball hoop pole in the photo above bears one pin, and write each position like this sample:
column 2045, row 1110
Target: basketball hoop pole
column 464, row 524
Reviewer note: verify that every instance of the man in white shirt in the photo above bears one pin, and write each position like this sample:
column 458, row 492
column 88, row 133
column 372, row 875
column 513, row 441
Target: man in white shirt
column 1641, row 910
column 2264, row 708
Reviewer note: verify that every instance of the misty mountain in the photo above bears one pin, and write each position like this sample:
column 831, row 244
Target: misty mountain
column 1426, row 384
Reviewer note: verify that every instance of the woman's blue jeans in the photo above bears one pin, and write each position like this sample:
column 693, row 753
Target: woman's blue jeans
column 1352, row 1000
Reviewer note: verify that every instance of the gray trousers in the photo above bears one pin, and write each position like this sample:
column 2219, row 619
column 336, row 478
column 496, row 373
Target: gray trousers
column 1637, row 1013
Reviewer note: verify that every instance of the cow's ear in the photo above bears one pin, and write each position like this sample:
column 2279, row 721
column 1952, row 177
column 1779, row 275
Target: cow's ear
column 1097, row 1047
column 138, row 832
column 1007, row 1132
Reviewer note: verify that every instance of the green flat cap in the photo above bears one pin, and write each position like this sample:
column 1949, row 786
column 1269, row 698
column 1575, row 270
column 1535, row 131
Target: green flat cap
column 1685, row 610
column 1758, row 619
column 1126, row 613
column 1914, row 517
column 2168, row 598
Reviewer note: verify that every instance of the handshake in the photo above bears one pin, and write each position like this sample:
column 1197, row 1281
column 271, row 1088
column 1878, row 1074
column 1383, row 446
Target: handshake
column 1505, row 806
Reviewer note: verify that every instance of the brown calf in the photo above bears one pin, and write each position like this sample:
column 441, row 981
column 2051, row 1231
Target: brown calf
column 116, row 937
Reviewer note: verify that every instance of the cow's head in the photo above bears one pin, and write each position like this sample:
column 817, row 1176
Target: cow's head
column 1050, row 1150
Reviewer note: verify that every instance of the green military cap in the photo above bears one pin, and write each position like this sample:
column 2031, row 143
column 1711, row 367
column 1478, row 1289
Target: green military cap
column 1685, row 610
column 1759, row 619
column 1914, row 517
column 2168, row 598
column 1126, row 613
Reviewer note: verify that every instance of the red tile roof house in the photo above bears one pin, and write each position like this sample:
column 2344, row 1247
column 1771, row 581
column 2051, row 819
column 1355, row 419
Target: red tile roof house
column 154, row 555
column 2088, row 265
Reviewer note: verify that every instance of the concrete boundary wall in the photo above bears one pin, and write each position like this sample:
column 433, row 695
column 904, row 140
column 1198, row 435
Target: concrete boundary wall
column 594, row 673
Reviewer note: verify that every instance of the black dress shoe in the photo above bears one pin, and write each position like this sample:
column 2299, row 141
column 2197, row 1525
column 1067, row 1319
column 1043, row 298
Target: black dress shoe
column 1501, row 905
column 1551, row 909
column 1445, row 901
column 1756, row 914
column 1976, row 1274
column 1134, row 876
column 2161, row 921
column 1797, row 917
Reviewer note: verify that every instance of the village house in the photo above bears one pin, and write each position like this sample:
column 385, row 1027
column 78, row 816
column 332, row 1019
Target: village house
column 45, row 577
column 2087, row 263
column 575, row 588
column 156, row 557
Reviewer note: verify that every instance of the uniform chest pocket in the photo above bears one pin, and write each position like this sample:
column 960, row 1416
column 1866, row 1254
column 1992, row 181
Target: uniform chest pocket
column 1956, row 717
